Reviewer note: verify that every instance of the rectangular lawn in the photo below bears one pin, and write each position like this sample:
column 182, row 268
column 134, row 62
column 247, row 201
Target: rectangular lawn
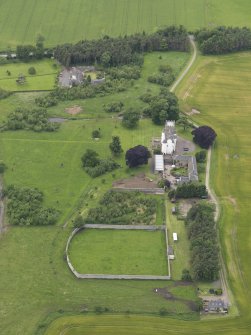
column 119, row 252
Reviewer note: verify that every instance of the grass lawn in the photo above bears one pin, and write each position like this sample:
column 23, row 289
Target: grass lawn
column 181, row 247
column 35, row 159
column 99, row 251
column 69, row 21
column 44, row 79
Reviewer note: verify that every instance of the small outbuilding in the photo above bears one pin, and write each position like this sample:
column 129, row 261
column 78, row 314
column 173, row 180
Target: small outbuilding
column 175, row 237
column 159, row 163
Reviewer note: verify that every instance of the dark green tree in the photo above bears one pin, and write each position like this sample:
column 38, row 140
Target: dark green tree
column 131, row 118
column 115, row 146
column 96, row 133
column 90, row 158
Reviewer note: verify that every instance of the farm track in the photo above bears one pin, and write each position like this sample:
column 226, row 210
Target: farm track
column 1, row 208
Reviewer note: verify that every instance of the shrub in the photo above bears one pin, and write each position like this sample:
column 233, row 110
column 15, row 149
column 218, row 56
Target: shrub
column 32, row 71
column 201, row 156
column 4, row 94
column 2, row 167
column 96, row 134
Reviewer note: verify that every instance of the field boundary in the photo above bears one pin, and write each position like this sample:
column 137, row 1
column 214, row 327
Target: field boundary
column 112, row 276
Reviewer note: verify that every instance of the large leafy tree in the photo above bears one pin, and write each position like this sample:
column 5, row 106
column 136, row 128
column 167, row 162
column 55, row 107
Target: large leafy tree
column 137, row 156
column 131, row 118
column 204, row 136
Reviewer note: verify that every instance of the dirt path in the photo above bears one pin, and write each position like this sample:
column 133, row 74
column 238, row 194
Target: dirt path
column 1, row 208
column 188, row 67
column 223, row 274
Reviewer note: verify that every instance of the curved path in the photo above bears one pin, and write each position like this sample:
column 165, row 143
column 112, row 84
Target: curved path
column 189, row 65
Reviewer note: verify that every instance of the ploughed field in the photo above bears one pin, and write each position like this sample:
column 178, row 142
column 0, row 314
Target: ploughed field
column 68, row 21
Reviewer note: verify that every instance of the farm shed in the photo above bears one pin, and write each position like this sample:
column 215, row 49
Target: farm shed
column 175, row 237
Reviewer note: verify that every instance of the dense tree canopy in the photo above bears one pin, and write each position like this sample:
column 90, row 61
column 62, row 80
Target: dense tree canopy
column 25, row 207
column 137, row 156
column 222, row 40
column 202, row 234
column 161, row 107
column 36, row 119
column 204, row 136
column 189, row 190
column 114, row 51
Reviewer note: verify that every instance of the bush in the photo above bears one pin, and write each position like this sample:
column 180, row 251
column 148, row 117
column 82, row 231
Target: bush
column 114, row 107
column 186, row 275
column 201, row 156
column 2, row 167
column 95, row 166
column 4, row 94
column 32, row 71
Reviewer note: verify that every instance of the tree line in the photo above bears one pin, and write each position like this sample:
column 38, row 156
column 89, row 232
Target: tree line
column 114, row 51
column 36, row 119
column 221, row 40
column 204, row 247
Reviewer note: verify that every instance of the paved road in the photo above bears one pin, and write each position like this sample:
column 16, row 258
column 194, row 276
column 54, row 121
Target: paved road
column 188, row 67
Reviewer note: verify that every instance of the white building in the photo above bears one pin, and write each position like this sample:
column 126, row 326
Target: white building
column 175, row 237
column 168, row 138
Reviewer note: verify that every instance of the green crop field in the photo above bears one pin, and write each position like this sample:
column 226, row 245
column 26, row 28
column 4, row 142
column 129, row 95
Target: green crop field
column 72, row 20
column 219, row 88
column 119, row 252
column 44, row 79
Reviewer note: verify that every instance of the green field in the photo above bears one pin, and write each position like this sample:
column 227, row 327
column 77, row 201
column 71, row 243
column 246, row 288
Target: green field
column 181, row 247
column 73, row 20
column 119, row 252
column 219, row 88
column 44, row 79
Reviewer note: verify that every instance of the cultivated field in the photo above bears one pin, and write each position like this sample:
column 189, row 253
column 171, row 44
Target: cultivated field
column 70, row 21
column 140, row 252
column 219, row 87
